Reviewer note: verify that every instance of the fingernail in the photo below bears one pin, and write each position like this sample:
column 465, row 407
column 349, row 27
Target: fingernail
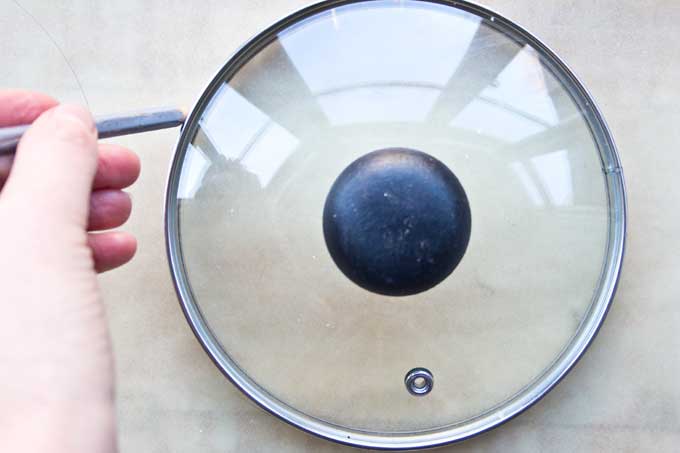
column 77, row 112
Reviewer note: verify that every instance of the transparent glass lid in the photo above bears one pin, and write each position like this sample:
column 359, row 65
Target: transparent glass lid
column 250, row 220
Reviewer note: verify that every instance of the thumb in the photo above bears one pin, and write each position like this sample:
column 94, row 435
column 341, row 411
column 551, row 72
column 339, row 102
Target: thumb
column 54, row 166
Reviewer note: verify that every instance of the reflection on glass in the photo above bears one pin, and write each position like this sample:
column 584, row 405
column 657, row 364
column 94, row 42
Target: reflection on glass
column 548, row 179
column 250, row 139
column 378, row 104
column 495, row 90
column 232, row 134
column 528, row 183
column 522, row 87
column 345, row 52
column 517, row 104
column 194, row 168
column 554, row 172
column 268, row 152
column 548, row 176
column 330, row 89
column 490, row 119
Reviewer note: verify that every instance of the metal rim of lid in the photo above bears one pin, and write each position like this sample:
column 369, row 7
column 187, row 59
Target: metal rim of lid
column 493, row 417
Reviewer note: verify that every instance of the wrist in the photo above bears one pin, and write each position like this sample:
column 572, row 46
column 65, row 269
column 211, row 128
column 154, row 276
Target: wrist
column 58, row 428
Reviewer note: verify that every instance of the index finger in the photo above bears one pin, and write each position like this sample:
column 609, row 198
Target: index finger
column 22, row 107
column 19, row 107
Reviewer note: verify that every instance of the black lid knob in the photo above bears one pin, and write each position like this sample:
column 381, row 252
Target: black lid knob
column 397, row 221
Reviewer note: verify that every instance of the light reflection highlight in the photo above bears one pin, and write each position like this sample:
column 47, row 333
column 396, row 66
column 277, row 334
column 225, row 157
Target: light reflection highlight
column 380, row 63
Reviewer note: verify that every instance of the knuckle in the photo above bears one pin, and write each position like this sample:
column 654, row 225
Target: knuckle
column 73, row 130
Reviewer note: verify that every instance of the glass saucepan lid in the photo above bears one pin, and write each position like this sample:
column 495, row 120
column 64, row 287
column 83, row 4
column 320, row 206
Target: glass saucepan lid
column 395, row 224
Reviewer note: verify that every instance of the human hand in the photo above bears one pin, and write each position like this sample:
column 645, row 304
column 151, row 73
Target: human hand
column 56, row 383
